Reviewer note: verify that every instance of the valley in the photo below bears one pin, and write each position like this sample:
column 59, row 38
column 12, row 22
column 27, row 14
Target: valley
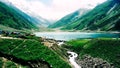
column 85, row 38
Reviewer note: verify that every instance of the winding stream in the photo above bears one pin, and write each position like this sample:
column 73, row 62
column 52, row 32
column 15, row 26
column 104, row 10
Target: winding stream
column 72, row 58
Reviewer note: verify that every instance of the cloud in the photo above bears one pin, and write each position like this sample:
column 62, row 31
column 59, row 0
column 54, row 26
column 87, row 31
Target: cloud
column 53, row 9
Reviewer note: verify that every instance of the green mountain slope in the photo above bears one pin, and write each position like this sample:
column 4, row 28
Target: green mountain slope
column 104, row 17
column 9, row 17
column 69, row 18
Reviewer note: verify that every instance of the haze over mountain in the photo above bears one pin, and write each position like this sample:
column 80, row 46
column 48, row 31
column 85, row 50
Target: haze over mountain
column 82, row 19
column 69, row 18
column 12, row 17
column 53, row 9
column 103, row 17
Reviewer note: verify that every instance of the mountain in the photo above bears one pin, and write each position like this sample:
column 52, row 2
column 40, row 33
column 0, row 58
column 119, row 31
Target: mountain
column 12, row 17
column 104, row 17
column 68, row 19
column 40, row 21
column 35, row 19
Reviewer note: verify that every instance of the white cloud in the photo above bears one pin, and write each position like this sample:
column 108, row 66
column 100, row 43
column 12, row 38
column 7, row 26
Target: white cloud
column 55, row 9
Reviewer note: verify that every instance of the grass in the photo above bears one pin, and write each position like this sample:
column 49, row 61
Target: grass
column 6, row 28
column 76, row 45
column 1, row 62
column 106, row 48
column 30, row 49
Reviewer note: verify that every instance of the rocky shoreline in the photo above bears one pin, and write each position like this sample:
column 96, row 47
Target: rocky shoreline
column 90, row 62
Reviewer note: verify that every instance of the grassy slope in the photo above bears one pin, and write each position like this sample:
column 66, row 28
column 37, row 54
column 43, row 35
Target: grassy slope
column 65, row 20
column 11, row 18
column 89, row 17
column 7, row 28
column 107, row 49
column 98, row 18
column 68, row 19
column 31, row 50
column 76, row 45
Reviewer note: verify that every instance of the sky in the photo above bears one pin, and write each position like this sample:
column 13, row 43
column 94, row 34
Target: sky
column 53, row 9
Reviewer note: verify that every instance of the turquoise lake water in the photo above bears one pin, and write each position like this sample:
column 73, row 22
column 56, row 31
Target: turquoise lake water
column 75, row 35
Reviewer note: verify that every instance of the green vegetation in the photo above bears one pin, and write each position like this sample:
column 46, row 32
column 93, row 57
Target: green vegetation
column 9, row 64
column 69, row 18
column 105, row 48
column 6, row 28
column 9, row 17
column 31, row 49
column 76, row 45
column 104, row 17
column 1, row 62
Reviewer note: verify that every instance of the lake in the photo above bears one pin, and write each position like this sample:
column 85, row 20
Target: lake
column 75, row 35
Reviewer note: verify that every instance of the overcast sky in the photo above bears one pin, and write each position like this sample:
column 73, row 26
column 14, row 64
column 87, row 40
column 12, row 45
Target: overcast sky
column 53, row 9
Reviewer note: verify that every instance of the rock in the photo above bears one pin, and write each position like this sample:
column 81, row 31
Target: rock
column 89, row 62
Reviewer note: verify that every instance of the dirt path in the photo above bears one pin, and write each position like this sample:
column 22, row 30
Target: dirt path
column 7, row 37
